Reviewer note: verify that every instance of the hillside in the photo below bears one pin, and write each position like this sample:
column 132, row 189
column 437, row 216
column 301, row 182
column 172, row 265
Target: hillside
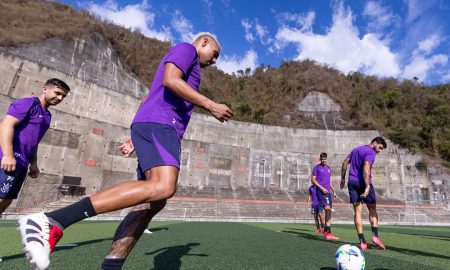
column 410, row 114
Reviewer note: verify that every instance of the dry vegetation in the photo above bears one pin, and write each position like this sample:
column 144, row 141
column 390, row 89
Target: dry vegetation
column 412, row 115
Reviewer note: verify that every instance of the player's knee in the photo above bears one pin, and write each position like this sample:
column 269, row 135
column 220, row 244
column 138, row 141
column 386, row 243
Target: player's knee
column 165, row 190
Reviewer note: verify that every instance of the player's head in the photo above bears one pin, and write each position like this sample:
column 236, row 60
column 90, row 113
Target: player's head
column 54, row 91
column 323, row 158
column 378, row 144
column 208, row 48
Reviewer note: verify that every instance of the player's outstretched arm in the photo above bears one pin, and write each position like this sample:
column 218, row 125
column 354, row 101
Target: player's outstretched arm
column 344, row 172
column 173, row 79
column 7, row 125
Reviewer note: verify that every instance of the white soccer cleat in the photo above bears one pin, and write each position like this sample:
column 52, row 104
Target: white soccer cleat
column 39, row 237
column 147, row 231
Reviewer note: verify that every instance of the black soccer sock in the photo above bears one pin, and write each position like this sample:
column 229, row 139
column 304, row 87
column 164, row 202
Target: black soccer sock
column 375, row 231
column 328, row 229
column 68, row 215
column 322, row 225
column 112, row 264
column 317, row 226
column 361, row 238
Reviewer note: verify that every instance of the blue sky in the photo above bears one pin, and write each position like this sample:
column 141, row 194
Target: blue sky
column 397, row 38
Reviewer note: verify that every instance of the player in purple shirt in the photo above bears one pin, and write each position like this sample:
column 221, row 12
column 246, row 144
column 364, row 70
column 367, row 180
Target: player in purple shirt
column 321, row 179
column 316, row 209
column 21, row 130
column 360, row 187
column 156, row 130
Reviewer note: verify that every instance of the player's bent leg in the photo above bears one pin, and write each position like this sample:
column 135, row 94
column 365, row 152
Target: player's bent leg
column 4, row 203
column 132, row 227
column 162, row 185
column 40, row 241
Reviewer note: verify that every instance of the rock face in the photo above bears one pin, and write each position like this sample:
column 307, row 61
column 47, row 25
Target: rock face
column 79, row 153
column 323, row 112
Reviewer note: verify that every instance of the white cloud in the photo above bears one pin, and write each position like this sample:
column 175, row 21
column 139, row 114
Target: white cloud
column 422, row 63
column 137, row 17
column 379, row 16
column 446, row 78
column 247, row 25
column 230, row 64
column 429, row 44
column 261, row 32
column 416, row 8
column 304, row 21
column 183, row 26
column 421, row 67
column 340, row 46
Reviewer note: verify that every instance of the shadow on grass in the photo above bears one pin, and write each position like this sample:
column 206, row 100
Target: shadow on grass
column 62, row 247
column 170, row 257
column 158, row 229
column 413, row 252
column 316, row 236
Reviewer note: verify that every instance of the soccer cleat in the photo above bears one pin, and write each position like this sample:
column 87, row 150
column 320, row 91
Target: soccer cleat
column 364, row 246
column 39, row 237
column 377, row 242
column 318, row 230
column 147, row 231
column 330, row 236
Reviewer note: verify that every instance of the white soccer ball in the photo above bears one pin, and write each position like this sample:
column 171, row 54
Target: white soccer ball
column 349, row 257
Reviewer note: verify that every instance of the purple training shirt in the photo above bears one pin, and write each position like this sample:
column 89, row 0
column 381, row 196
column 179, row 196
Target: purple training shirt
column 312, row 192
column 357, row 158
column 162, row 105
column 33, row 125
column 323, row 175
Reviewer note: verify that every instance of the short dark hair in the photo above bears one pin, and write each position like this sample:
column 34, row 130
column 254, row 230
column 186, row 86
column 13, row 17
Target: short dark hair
column 380, row 140
column 58, row 83
column 323, row 155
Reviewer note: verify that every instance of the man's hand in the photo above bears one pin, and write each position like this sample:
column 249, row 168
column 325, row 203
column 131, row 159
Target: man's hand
column 127, row 148
column 324, row 191
column 8, row 163
column 342, row 184
column 33, row 171
column 220, row 111
column 366, row 192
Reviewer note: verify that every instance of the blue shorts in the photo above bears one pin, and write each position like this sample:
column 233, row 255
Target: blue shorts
column 11, row 182
column 155, row 145
column 355, row 191
column 324, row 199
column 316, row 209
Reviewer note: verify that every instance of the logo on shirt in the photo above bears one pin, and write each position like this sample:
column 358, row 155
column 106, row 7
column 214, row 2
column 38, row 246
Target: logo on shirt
column 6, row 187
column 41, row 116
column 174, row 121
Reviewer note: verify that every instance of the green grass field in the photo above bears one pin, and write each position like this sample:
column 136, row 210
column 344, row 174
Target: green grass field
column 221, row 245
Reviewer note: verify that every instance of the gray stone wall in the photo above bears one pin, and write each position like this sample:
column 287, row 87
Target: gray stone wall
column 90, row 123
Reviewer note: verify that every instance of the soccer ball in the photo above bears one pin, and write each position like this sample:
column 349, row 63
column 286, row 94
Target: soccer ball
column 349, row 257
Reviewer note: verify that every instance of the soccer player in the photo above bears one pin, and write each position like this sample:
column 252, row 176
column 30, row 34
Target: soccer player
column 321, row 178
column 156, row 131
column 360, row 188
column 316, row 209
column 21, row 130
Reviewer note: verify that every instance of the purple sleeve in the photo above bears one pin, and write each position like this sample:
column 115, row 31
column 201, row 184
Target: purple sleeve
column 370, row 157
column 20, row 108
column 182, row 56
column 314, row 172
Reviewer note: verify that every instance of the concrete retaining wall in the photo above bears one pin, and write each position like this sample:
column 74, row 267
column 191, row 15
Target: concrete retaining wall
column 88, row 126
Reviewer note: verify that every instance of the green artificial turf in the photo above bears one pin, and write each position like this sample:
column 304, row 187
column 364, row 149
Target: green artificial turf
column 227, row 245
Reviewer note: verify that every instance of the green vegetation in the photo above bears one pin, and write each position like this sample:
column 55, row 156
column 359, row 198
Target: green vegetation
column 412, row 115
column 218, row 245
